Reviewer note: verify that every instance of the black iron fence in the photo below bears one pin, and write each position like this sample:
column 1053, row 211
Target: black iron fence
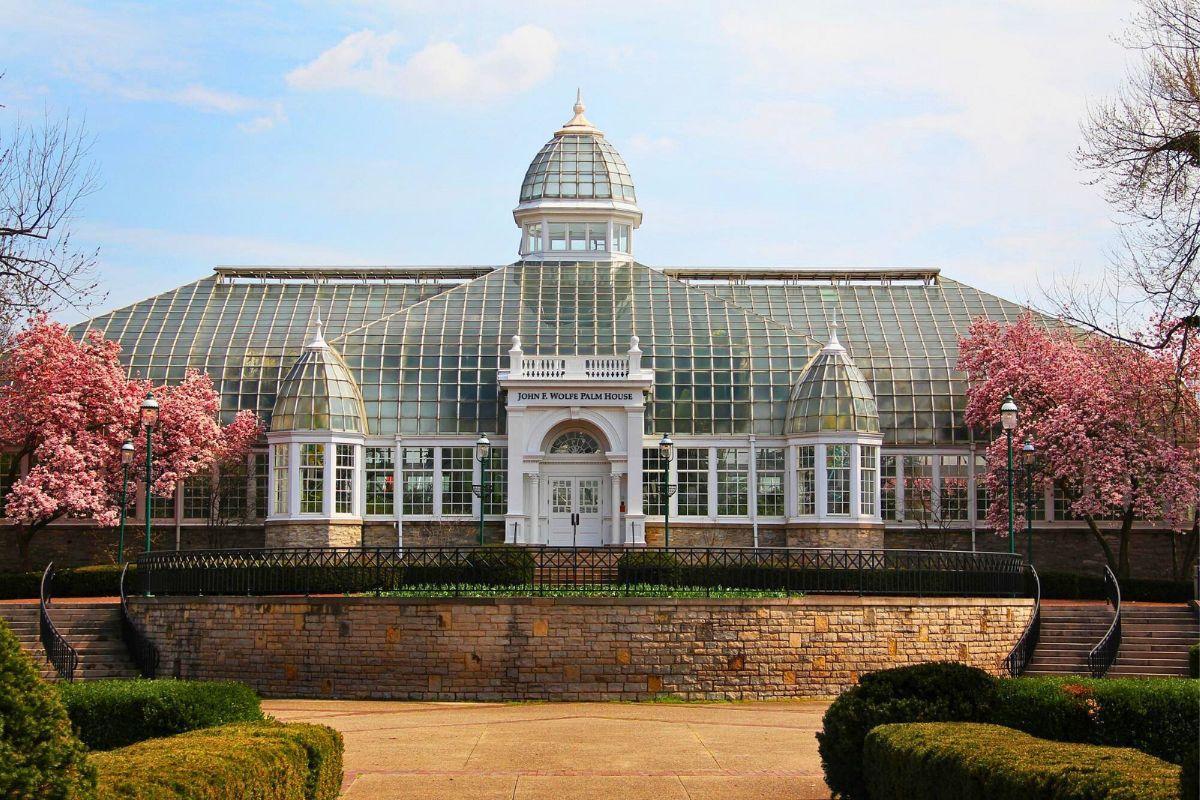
column 61, row 655
column 1018, row 660
column 141, row 650
column 1101, row 657
column 518, row 571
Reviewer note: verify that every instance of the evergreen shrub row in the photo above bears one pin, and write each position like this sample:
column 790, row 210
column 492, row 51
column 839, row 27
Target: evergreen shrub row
column 116, row 713
column 1159, row 717
column 972, row 761
column 98, row 581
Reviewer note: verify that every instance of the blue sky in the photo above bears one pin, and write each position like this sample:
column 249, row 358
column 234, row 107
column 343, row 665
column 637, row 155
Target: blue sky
column 797, row 133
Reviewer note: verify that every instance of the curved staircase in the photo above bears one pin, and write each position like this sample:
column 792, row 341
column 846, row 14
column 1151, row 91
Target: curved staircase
column 93, row 628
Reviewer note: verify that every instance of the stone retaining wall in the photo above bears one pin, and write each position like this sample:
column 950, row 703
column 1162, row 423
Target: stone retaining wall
column 568, row 649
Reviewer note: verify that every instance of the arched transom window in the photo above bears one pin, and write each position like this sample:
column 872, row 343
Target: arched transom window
column 574, row 443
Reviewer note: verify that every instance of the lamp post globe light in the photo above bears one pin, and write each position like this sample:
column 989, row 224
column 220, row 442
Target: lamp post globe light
column 126, row 460
column 483, row 451
column 1008, row 421
column 666, row 452
column 149, row 416
column 1028, row 457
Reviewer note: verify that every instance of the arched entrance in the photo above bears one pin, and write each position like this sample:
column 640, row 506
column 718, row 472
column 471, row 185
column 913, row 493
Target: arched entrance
column 578, row 482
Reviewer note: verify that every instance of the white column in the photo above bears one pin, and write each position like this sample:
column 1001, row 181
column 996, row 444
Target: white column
column 635, row 521
column 855, row 483
column 752, row 488
column 822, row 475
column 615, row 509
column 534, row 509
column 293, row 479
column 791, row 488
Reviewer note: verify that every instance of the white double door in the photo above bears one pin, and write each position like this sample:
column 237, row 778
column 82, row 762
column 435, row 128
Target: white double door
column 577, row 510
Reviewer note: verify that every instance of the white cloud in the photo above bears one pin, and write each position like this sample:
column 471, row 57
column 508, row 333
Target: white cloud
column 362, row 62
column 197, row 96
column 212, row 248
column 265, row 122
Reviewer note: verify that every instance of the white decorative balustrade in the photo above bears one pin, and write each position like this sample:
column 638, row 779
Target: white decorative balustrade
column 617, row 367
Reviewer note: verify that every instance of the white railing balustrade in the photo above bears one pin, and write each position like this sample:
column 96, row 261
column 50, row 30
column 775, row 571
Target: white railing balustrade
column 617, row 367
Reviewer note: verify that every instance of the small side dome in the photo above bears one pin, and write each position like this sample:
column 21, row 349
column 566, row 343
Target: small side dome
column 832, row 395
column 319, row 393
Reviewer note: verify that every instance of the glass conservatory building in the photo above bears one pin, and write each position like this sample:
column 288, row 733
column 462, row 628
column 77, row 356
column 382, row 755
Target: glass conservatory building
column 805, row 406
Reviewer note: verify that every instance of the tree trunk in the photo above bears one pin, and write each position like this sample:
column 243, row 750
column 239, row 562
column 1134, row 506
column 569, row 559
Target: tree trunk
column 25, row 534
column 1191, row 546
column 1126, row 535
column 1108, row 553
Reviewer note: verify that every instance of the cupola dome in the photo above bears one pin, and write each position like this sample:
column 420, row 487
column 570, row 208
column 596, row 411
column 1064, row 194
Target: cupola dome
column 319, row 394
column 577, row 199
column 832, row 395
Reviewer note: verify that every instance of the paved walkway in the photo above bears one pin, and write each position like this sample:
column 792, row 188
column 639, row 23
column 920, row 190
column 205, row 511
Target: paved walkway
column 564, row 751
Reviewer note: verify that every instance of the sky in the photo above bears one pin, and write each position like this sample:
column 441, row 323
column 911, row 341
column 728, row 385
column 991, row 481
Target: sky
column 757, row 133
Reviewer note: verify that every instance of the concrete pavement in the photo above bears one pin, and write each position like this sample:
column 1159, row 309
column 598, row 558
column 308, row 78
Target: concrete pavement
column 564, row 751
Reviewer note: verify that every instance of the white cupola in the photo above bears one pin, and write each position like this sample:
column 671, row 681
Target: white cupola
column 577, row 199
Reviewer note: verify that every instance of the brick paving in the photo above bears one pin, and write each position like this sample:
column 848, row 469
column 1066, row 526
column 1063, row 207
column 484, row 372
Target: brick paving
column 564, row 751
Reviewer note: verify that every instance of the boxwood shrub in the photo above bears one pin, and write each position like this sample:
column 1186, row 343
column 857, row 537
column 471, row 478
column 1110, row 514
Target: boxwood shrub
column 116, row 713
column 249, row 761
column 970, row 761
column 40, row 758
column 1159, row 716
column 921, row 693
column 98, row 581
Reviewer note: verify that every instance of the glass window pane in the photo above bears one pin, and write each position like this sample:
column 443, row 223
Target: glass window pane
column 417, row 467
column 768, row 468
column 693, row 481
column 837, row 479
column 806, row 480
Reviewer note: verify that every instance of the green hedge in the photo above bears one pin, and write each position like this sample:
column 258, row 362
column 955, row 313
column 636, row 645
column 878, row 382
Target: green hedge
column 101, row 581
column 968, row 761
column 926, row 692
column 40, row 759
column 1159, row 716
column 249, row 761
column 117, row 713
column 1070, row 586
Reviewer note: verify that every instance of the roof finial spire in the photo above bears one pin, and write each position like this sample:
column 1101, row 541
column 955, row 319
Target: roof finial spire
column 317, row 342
column 579, row 123
column 834, row 345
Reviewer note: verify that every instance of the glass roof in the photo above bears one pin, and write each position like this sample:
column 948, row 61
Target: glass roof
column 425, row 354
column 832, row 396
column 245, row 335
column 578, row 166
column 319, row 394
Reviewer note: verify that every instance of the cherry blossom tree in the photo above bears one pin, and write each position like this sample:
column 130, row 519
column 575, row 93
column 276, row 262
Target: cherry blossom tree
column 66, row 407
column 1115, row 426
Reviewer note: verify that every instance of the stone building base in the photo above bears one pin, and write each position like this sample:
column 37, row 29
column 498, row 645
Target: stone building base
column 569, row 648
column 456, row 533
column 322, row 533
column 716, row 535
column 849, row 536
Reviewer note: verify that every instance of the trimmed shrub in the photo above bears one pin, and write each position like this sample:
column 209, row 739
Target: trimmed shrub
column 99, row 581
column 1194, row 661
column 1159, row 716
column 922, row 693
column 117, row 713
column 1071, row 586
column 40, row 759
column 967, row 761
column 1189, row 776
column 249, row 761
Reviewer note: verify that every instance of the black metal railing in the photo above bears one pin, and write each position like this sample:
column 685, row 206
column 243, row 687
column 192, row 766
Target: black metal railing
column 518, row 571
column 61, row 655
column 141, row 650
column 1018, row 660
column 1101, row 657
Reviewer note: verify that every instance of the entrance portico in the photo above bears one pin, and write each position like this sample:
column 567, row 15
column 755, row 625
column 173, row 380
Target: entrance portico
column 575, row 428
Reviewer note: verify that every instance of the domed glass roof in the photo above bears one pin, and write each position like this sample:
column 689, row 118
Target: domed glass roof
column 578, row 163
column 832, row 396
column 319, row 394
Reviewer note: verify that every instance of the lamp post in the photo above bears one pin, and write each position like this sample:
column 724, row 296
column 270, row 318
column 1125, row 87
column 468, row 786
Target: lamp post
column 483, row 451
column 1028, row 456
column 149, row 413
column 666, row 452
column 126, row 460
column 1008, row 421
